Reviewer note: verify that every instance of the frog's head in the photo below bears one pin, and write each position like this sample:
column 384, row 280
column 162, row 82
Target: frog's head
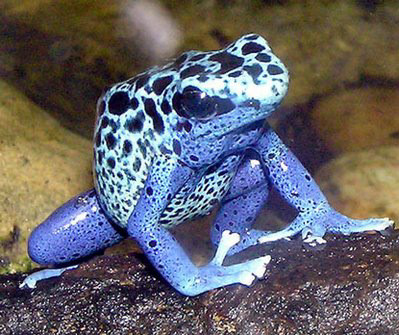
column 221, row 95
column 197, row 107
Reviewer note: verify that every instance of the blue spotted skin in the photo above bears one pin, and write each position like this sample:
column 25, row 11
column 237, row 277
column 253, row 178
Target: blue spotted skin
column 173, row 142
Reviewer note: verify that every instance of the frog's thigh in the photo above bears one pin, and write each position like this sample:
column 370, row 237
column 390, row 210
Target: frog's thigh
column 77, row 229
column 242, row 204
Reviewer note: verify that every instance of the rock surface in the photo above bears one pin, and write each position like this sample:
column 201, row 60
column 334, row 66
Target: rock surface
column 363, row 184
column 42, row 165
column 357, row 119
column 349, row 287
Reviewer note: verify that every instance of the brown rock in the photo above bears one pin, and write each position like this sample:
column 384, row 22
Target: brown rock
column 358, row 119
column 42, row 165
column 349, row 287
column 363, row 184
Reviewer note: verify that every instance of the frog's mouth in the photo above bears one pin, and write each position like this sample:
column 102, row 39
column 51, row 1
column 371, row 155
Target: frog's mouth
column 238, row 121
column 255, row 125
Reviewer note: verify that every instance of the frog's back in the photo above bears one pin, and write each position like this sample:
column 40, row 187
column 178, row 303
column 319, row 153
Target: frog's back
column 128, row 133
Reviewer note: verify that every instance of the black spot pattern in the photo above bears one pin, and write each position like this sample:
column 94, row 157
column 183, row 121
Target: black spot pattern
column 127, row 141
column 151, row 110
column 111, row 162
column 118, row 103
column 165, row 107
column 235, row 74
column 160, row 84
column 114, row 125
column 101, row 108
column 192, row 71
column 203, row 78
column 137, row 164
column 134, row 103
column 263, row 57
column 127, row 147
column 274, row 69
column 251, row 47
column 143, row 148
column 135, row 124
column 165, row 150
column 228, row 62
column 100, row 156
column 141, row 80
column 254, row 71
column 197, row 57
column 253, row 103
column 98, row 138
column 176, row 147
column 149, row 191
column 180, row 60
column 176, row 102
column 223, row 106
column 110, row 140
column 187, row 126
column 104, row 123
column 251, row 37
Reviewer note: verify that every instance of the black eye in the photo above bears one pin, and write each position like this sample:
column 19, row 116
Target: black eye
column 197, row 103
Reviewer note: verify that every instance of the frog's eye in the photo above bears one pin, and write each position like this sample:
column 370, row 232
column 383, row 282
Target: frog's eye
column 196, row 103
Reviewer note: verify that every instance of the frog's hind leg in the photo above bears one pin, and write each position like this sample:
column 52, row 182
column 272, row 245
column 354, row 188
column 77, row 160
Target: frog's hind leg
column 76, row 230
column 241, row 205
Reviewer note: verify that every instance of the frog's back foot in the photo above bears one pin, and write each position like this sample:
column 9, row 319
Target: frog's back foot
column 362, row 225
column 313, row 231
column 32, row 279
column 77, row 229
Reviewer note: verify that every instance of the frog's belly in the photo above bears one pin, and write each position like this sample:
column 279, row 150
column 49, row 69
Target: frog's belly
column 191, row 201
column 200, row 201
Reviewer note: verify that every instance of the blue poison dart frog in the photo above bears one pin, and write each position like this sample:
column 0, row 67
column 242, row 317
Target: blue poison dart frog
column 173, row 142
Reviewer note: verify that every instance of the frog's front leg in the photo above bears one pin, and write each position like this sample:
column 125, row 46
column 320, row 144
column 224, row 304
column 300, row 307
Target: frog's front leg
column 241, row 205
column 166, row 177
column 315, row 216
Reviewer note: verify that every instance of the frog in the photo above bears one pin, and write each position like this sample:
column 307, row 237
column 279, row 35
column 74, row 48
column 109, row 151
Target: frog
column 177, row 141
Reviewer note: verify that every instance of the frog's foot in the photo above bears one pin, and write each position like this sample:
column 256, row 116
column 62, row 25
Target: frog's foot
column 313, row 229
column 340, row 224
column 33, row 278
column 361, row 225
column 244, row 273
column 312, row 238
column 285, row 233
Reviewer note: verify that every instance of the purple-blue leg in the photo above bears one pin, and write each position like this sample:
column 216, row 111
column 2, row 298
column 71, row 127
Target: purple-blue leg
column 241, row 205
column 315, row 216
column 75, row 230
column 165, row 253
